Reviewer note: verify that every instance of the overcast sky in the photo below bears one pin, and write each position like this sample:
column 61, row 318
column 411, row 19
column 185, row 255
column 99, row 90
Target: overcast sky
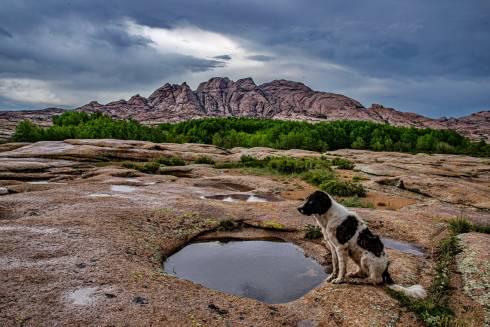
column 430, row 57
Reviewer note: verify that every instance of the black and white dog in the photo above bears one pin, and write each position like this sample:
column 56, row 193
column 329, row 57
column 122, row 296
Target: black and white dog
column 348, row 236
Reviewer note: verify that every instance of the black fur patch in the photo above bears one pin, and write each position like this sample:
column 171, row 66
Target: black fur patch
column 346, row 229
column 317, row 203
column 370, row 242
column 386, row 277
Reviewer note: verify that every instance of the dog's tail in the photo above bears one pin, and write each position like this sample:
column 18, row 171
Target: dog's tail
column 415, row 291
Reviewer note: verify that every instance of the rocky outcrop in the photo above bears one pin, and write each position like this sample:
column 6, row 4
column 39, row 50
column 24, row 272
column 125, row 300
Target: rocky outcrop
column 10, row 119
column 279, row 99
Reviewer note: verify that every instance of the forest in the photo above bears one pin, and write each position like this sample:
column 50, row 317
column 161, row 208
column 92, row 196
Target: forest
column 252, row 132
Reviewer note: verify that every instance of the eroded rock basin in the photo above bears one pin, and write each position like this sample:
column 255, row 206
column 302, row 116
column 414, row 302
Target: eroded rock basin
column 268, row 271
column 243, row 197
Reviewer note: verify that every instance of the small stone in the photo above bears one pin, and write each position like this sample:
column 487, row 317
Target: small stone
column 140, row 300
column 4, row 191
column 217, row 309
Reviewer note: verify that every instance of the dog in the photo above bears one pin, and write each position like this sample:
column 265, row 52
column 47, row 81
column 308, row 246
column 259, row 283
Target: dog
column 347, row 235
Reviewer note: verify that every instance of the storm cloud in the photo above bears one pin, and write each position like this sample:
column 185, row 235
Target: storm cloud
column 429, row 57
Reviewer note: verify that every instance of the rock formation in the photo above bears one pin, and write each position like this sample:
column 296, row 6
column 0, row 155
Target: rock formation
column 279, row 99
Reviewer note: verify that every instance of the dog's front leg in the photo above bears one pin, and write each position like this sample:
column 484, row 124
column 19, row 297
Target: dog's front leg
column 335, row 264
column 342, row 258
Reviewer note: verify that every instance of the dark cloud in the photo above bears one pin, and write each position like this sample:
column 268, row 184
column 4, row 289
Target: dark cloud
column 261, row 58
column 223, row 57
column 82, row 44
column 4, row 32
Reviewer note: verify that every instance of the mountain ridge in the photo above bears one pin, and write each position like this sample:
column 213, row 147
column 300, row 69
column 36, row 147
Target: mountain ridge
column 278, row 99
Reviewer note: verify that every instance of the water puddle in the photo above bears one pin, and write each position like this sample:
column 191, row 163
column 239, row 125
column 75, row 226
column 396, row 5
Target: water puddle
column 44, row 183
column 268, row 271
column 122, row 188
column 82, row 296
column 100, row 195
column 402, row 246
column 240, row 197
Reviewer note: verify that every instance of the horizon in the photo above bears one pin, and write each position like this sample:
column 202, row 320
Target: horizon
column 425, row 58
column 195, row 88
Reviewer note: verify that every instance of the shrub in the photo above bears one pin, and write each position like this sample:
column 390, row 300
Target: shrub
column 204, row 160
column 463, row 225
column 249, row 132
column 318, row 176
column 287, row 165
column 228, row 225
column 342, row 163
column 170, row 161
column 355, row 202
column 343, row 188
column 26, row 131
column 312, row 232
column 460, row 225
column 147, row 167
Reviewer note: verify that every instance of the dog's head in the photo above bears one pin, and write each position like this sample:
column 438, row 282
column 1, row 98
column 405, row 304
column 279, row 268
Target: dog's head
column 317, row 203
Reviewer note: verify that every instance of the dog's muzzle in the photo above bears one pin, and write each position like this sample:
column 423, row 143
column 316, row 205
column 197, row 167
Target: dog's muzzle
column 302, row 211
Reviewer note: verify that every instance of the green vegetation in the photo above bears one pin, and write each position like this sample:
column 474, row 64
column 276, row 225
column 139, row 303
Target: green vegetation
column 170, row 161
column 343, row 188
column 228, row 225
column 316, row 171
column 463, row 225
column 145, row 167
column 249, row 132
column 205, row 160
column 153, row 167
column 312, row 232
column 272, row 225
column 343, row 163
column 355, row 202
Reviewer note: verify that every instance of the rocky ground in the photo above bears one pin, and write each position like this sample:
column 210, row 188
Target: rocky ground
column 82, row 239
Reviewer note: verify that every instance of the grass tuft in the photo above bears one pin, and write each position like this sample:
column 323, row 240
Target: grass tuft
column 228, row 225
column 171, row 161
column 312, row 232
column 462, row 225
column 355, row 202
column 145, row 167
column 204, row 160
column 343, row 188
column 343, row 163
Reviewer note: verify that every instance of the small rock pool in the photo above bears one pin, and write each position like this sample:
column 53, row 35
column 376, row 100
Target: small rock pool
column 238, row 197
column 268, row 271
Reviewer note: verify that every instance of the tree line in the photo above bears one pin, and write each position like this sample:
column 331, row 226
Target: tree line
column 250, row 132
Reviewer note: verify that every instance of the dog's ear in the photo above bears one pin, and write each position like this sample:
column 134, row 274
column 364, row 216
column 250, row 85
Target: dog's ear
column 319, row 202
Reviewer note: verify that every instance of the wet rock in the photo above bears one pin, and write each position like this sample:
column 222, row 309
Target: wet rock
column 217, row 309
column 140, row 300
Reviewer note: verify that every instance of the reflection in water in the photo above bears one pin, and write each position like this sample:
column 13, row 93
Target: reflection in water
column 243, row 197
column 402, row 246
column 272, row 272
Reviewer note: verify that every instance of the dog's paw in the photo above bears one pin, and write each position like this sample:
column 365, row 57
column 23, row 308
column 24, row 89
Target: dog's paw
column 330, row 278
column 355, row 274
column 338, row 280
